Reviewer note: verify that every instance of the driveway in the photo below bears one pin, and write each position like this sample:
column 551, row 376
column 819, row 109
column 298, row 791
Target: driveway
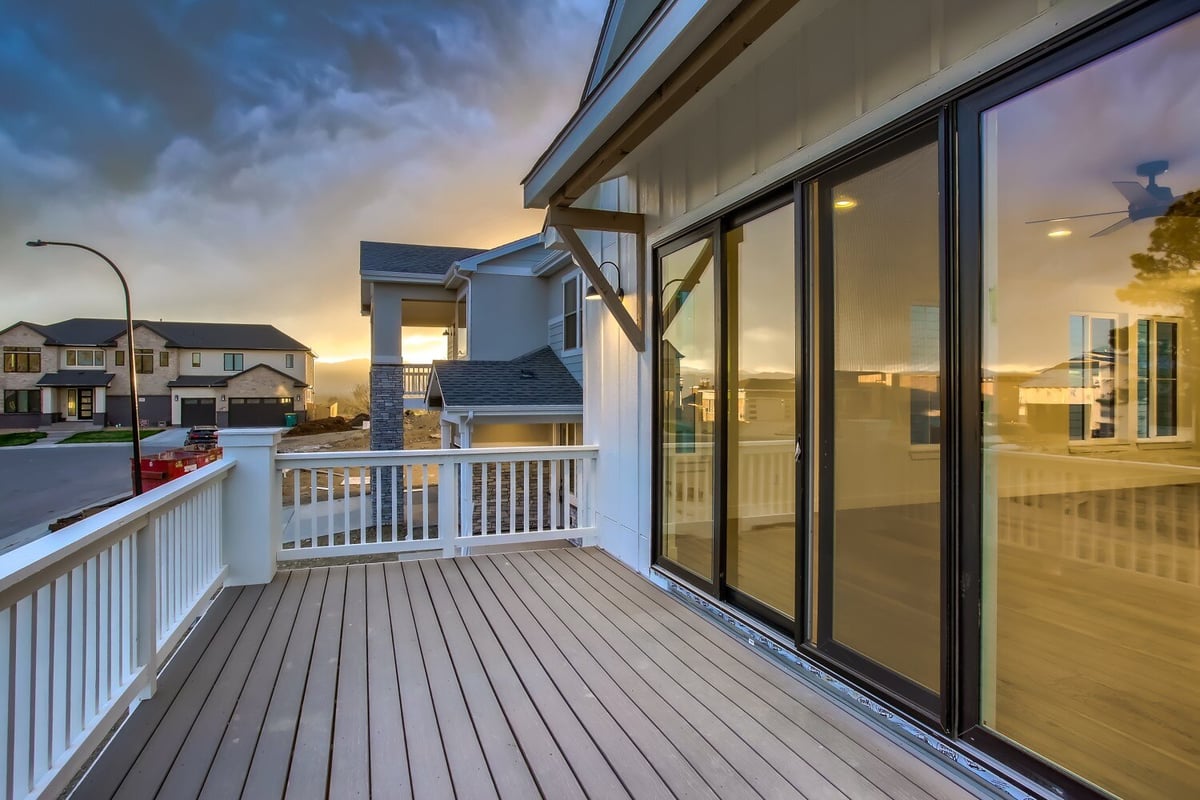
column 40, row 484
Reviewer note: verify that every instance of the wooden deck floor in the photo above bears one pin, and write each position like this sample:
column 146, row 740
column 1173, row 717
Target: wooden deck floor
column 554, row 673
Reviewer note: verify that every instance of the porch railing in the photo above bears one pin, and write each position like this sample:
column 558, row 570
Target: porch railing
column 89, row 614
column 416, row 380
column 340, row 504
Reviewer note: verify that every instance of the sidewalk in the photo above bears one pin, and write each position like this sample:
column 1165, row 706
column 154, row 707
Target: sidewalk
column 169, row 438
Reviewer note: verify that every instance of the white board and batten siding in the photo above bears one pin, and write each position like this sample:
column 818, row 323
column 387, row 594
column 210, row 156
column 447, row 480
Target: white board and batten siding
column 827, row 74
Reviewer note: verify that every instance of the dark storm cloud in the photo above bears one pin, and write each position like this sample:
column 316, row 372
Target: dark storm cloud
column 113, row 83
column 219, row 143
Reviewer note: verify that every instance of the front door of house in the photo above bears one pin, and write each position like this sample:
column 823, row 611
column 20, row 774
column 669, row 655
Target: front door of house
column 86, row 402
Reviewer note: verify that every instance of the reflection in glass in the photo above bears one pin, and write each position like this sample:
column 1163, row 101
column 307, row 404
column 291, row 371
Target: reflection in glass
column 687, row 370
column 1091, row 506
column 761, row 527
column 887, row 417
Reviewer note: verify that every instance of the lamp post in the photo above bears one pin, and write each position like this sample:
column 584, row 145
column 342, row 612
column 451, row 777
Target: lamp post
column 133, row 393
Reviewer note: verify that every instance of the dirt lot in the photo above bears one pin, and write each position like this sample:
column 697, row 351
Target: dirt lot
column 422, row 431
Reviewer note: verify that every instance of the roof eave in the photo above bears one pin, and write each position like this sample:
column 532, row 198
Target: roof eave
column 667, row 40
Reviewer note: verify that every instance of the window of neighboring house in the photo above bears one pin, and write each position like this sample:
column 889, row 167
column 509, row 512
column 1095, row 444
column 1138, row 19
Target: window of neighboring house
column 143, row 360
column 289, row 361
column 22, row 401
column 22, row 359
column 195, row 359
column 164, row 358
column 233, row 362
column 1091, row 377
column 572, row 319
column 925, row 408
column 85, row 358
column 118, row 358
column 1157, row 378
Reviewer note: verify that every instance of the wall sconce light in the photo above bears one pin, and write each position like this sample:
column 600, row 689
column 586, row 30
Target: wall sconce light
column 594, row 294
column 176, row 398
column 222, row 398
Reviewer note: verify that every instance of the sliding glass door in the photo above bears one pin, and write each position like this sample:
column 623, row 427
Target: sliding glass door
column 760, row 488
column 879, row 540
column 689, row 409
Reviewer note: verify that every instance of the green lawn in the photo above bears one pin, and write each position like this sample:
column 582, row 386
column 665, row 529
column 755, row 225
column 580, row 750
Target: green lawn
column 124, row 435
column 20, row 438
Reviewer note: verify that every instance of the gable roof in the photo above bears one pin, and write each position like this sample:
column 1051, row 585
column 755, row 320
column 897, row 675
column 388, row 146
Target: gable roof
column 535, row 379
column 94, row 332
column 410, row 259
column 295, row 382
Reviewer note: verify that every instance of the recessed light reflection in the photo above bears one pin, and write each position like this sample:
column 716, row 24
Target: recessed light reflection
column 844, row 203
column 1058, row 233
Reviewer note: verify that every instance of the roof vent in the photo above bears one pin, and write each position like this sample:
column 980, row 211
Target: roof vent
column 527, row 374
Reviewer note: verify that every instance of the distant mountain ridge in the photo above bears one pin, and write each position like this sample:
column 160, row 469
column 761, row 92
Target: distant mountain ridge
column 338, row 378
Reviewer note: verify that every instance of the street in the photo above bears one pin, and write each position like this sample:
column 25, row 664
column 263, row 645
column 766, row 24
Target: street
column 39, row 485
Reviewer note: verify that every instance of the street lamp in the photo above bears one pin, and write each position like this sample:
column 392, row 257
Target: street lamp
column 133, row 393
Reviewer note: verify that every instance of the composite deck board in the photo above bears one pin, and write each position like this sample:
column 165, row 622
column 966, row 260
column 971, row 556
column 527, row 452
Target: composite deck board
column 464, row 748
column 191, row 764
column 309, row 773
column 617, row 724
column 512, row 775
column 428, row 768
column 591, row 766
column 776, row 736
column 148, row 771
column 852, row 739
column 236, row 744
column 272, row 753
column 694, row 730
column 389, row 759
column 107, row 773
column 752, row 748
column 555, row 673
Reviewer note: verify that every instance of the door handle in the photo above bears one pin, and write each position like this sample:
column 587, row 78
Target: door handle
column 797, row 449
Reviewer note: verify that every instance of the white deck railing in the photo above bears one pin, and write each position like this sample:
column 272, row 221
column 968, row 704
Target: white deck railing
column 416, row 380
column 89, row 614
column 340, row 504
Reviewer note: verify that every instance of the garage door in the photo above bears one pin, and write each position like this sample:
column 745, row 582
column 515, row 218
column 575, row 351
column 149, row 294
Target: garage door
column 197, row 411
column 250, row 412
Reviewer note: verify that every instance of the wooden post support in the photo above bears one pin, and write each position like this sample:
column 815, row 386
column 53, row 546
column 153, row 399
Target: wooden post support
column 633, row 329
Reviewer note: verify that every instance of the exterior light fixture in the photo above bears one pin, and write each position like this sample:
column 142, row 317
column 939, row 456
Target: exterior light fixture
column 594, row 294
column 844, row 203
column 1059, row 233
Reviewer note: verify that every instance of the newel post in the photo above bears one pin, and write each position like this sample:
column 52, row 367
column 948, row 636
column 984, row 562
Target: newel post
column 251, row 530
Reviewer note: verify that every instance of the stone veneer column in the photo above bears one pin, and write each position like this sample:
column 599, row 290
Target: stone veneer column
column 387, row 430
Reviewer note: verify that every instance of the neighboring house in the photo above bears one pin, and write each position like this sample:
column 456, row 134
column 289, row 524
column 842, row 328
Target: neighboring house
column 188, row 373
column 908, row 377
column 513, row 321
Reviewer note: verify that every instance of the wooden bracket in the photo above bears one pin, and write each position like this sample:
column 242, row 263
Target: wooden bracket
column 634, row 329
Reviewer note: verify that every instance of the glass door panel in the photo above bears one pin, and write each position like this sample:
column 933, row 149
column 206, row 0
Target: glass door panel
column 880, row 547
column 760, row 546
column 689, row 408
column 1091, row 464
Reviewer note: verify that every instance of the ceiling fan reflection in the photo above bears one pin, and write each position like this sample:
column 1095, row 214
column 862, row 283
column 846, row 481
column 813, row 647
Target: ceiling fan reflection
column 1145, row 202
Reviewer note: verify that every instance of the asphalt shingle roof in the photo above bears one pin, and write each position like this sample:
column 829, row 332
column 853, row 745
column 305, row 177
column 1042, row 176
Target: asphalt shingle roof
column 76, row 377
column 413, row 259
column 534, row 379
column 201, row 335
column 199, row 380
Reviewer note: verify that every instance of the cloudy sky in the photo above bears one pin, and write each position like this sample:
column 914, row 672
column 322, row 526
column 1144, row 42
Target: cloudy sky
column 230, row 155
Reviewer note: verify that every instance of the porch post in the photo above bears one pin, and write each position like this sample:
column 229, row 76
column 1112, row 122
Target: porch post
column 251, row 520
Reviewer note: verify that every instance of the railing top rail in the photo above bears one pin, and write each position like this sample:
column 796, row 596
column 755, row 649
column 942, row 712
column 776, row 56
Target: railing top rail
column 1093, row 461
column 42, row 554
column 471, row 455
